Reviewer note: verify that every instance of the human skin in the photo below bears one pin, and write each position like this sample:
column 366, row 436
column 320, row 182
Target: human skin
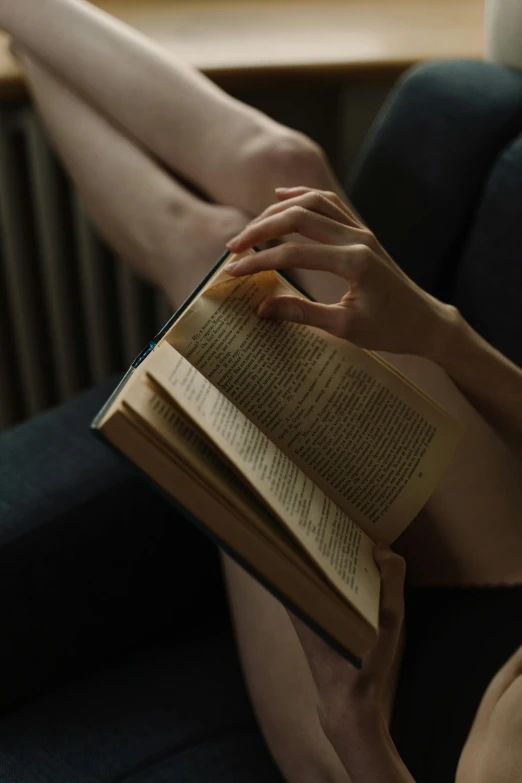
column 96, row 76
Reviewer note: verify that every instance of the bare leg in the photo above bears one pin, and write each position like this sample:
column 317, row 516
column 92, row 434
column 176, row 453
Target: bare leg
column 229, row 151
column 146, row 218
column 165, row 232
column 280, row 684
column 206, row 136
column 469, row 537
column 470, row 527
column 470, row 532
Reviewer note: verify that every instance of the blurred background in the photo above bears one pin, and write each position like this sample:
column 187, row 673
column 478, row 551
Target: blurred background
column 70, row 313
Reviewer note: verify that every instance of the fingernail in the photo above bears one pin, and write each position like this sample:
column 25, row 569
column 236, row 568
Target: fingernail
column 281, row 190
column 230, row 266
column 233, row 241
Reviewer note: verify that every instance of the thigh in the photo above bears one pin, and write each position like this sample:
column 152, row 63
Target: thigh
column 92, row 560
column 421, row 172
column 470, row 531
column 427, row 162
column 280, row 683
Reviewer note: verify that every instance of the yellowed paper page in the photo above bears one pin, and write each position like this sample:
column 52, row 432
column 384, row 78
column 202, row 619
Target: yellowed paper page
column 338, row 547
column 153, row 413
column 361, row 433
column 163, row 424
column 189, row 445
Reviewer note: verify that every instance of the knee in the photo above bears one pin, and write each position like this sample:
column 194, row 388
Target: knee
column 286, row 158
column 296, row 158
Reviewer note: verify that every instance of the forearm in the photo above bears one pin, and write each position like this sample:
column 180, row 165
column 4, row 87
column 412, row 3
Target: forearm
column 490, row 381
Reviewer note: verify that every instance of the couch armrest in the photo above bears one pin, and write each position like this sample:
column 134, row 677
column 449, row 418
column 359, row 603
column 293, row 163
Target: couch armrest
column 91, row 564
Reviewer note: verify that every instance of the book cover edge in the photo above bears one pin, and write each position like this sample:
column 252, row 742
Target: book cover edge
column 180, row 508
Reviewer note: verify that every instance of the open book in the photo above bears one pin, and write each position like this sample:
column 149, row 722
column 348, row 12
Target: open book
column 295, row 450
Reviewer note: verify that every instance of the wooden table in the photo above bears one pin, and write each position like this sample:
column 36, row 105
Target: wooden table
column 248, row 40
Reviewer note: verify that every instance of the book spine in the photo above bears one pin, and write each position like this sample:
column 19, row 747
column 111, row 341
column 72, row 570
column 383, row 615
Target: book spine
column 138, row 360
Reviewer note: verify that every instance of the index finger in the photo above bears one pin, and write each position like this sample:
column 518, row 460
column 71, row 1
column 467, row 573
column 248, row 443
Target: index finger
column 334, row 198
column 345, row 262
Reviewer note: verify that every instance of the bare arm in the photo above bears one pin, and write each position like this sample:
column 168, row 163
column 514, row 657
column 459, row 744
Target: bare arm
column 491, row 382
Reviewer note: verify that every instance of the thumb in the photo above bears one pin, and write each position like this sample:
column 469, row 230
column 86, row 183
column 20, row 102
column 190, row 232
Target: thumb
column 391, row 615
column 331, row 318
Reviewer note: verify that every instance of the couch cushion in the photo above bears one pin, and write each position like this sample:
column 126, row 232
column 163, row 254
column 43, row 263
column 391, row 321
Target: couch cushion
column 174, row 713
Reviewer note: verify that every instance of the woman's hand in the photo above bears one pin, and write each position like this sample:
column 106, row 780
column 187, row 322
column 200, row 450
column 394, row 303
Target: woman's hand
column 382, row 310
column 352, row 702
column 349, row 698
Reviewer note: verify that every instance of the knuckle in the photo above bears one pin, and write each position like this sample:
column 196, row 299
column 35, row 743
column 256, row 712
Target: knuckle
column 297, row 215
column 268, row 212
column 327, row 202
column 329, row 195
column 368, row 238
column 362, row 255
column 336, row 200
column 315, row 200
column 291, row 251
column 296, row 311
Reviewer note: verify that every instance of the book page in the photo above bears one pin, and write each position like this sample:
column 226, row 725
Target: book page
column 156, row 412
column 153, row 412
column 338, row 547
column 368, row 438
